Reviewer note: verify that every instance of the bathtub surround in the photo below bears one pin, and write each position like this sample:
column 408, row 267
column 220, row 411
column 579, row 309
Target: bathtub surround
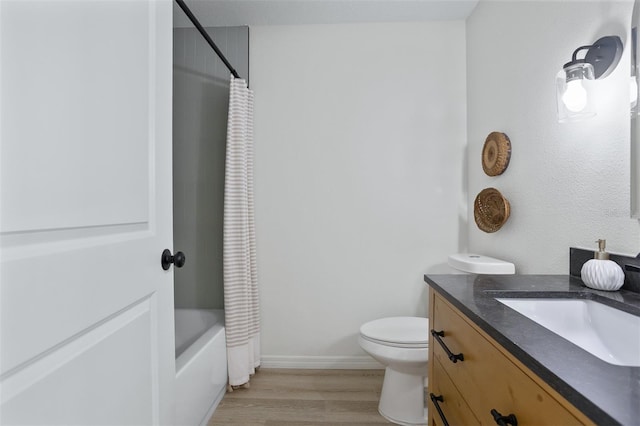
column 241, row 300
column 568, row 184
column 359, row 179
column 200, row 107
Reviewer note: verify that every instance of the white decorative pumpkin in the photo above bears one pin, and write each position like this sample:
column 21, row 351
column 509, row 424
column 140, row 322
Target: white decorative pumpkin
column 602, row 275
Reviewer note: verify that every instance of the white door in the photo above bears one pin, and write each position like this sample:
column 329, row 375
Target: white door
column 86, row 311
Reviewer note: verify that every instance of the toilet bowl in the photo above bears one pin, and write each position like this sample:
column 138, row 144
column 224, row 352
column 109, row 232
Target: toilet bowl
column 401, row 345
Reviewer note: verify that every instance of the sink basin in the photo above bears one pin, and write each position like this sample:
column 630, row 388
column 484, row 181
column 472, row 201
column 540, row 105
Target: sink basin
column 608, row 333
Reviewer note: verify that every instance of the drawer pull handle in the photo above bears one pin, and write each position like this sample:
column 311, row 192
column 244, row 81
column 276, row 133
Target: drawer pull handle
column 453, row 357
column 436, row 399
column 504, row 420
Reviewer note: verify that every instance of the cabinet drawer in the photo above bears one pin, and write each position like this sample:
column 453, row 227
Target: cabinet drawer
column 487, row 379
column 453, row 406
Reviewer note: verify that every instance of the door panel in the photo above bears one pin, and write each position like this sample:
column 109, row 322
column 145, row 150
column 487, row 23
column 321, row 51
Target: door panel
column 63, row 379
column 79, row 87
column 48, row 299
column 86, row 311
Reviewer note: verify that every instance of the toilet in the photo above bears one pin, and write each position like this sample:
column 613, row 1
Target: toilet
column 401, row 344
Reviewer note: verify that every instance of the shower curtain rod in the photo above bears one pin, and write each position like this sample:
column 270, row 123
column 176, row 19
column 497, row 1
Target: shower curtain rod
column 202, row 31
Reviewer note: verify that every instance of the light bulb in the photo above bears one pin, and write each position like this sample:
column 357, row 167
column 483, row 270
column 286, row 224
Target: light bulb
column 633, row 91
column 575, row 96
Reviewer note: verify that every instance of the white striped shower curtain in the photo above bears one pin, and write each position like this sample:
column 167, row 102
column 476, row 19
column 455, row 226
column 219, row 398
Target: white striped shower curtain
column 241, row 304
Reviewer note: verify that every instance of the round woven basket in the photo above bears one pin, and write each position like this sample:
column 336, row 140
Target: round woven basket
column 490, row 210
column 496, row 153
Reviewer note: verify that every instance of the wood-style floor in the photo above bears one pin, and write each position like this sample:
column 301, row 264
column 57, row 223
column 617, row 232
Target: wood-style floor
column 304, row 398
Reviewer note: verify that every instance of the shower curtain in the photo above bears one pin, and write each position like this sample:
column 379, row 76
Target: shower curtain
column 242, row 321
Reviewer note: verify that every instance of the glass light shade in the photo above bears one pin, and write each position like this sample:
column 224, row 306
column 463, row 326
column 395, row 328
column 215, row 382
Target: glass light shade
column 573, row 84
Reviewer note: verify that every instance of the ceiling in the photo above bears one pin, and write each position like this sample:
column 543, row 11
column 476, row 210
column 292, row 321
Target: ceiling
column 304, row 12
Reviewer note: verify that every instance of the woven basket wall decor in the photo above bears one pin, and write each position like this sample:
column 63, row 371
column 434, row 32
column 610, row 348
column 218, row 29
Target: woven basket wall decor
column 496, row 153
column 491, row 210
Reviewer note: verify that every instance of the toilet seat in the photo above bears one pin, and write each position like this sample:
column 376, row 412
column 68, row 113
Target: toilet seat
column 399, row 332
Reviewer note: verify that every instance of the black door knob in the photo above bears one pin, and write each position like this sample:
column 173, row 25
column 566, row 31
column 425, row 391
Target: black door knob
column 167, row 259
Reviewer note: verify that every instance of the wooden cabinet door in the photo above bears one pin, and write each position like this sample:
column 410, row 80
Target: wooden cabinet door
column 487, row 379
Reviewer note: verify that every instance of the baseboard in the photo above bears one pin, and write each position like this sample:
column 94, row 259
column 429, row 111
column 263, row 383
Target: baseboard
column 320, row 362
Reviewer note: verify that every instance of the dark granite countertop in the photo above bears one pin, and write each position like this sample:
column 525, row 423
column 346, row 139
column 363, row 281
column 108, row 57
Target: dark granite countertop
column 608, row 394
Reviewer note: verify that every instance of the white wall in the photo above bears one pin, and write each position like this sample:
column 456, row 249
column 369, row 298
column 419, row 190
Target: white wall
column 568, row 184
column 360, row 138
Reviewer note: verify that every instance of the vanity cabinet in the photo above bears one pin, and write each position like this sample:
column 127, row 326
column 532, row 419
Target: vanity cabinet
column 473, row 379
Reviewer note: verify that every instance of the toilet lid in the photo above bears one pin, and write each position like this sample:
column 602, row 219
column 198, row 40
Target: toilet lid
column 398, row 330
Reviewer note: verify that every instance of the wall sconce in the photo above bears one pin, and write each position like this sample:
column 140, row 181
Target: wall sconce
column 574, row 81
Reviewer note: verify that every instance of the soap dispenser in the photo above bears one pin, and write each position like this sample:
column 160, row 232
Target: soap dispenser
column 600, row 273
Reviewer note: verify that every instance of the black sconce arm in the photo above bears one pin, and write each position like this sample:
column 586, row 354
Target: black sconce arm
column 574, row 57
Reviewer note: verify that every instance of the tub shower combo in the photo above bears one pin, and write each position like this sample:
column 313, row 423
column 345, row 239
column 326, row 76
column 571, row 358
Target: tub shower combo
column 201, row 95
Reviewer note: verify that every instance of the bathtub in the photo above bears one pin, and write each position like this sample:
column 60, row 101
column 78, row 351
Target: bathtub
column 201, row 364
